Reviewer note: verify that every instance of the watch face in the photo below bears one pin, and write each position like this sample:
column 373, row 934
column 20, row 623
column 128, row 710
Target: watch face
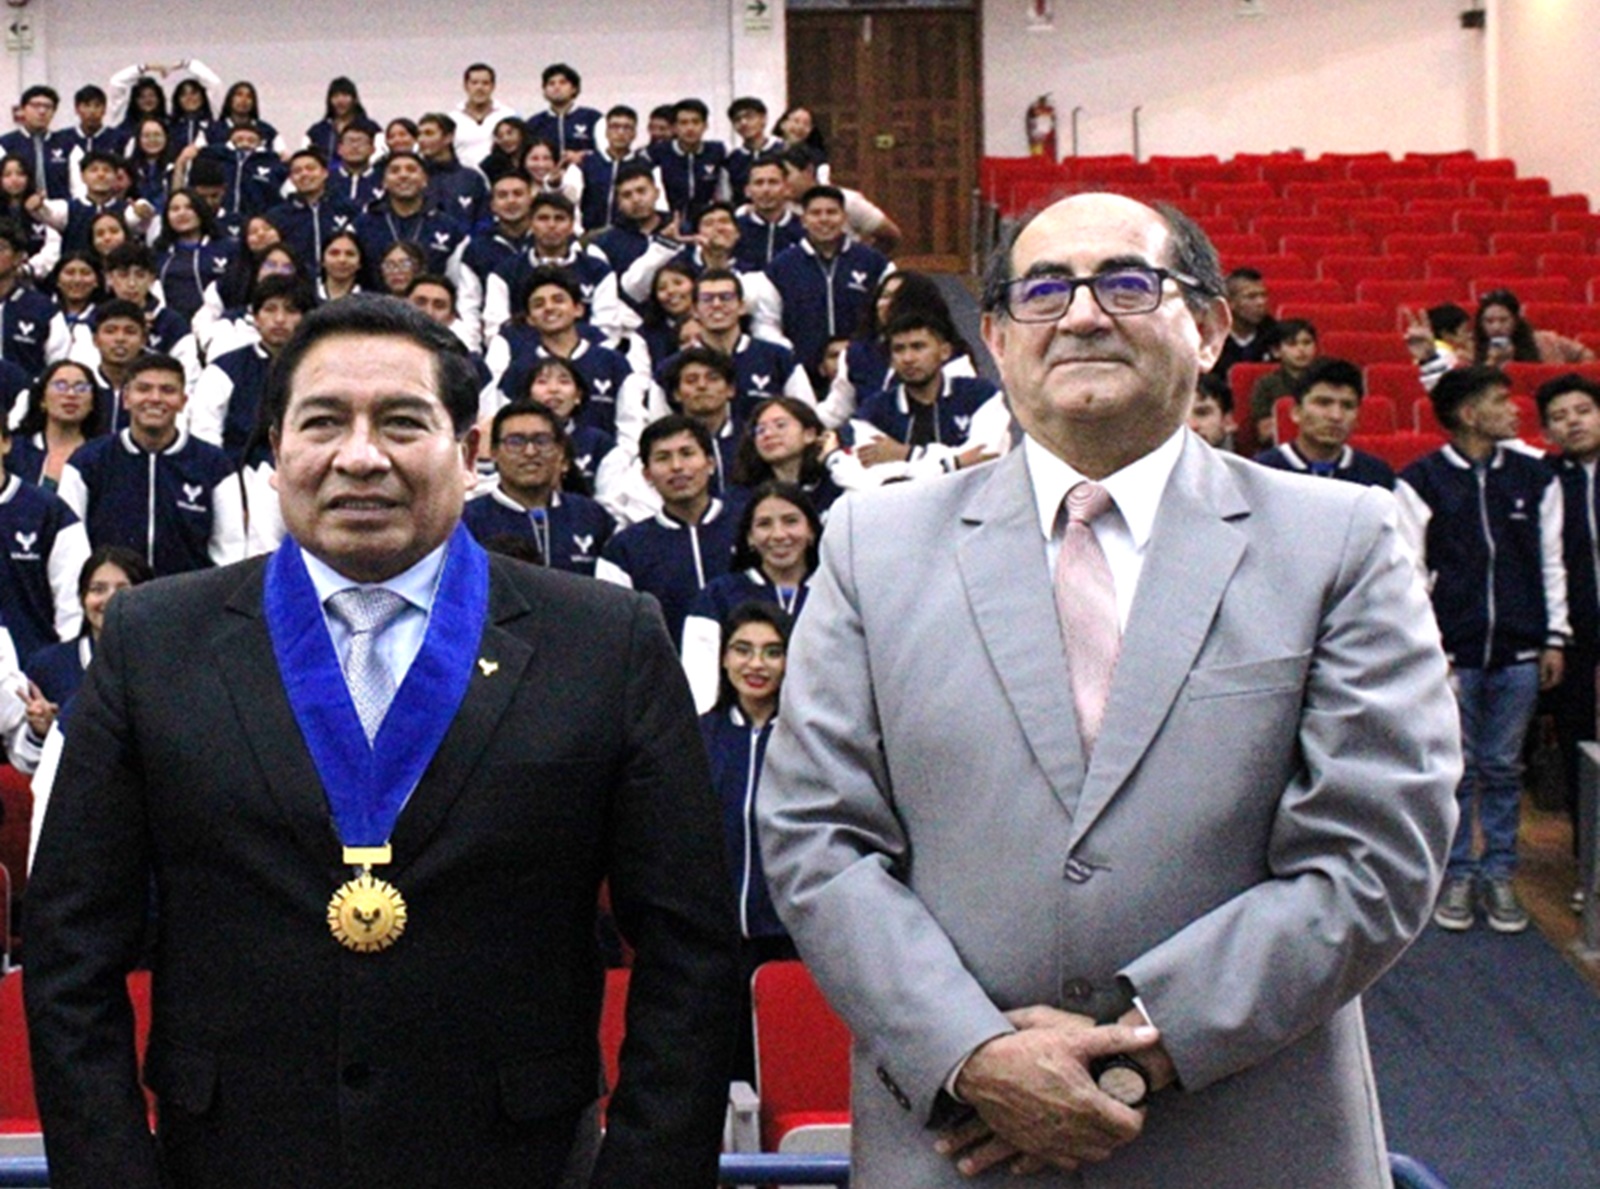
column 1124, row 1081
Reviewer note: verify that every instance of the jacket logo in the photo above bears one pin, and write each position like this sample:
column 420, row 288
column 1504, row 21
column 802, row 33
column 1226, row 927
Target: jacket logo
column 584, row 543
column 579, row 131
column 219, row 266
column 963, row 424
column 465, row 200
column 441, row 240
column 263, row 173
column 25, row 330
column 340, row 222
column 582, row 462
column 25, row 544
column 191, row 498
column 761, row 382
column 58, row 155
column 602, row 390
column 858, row 280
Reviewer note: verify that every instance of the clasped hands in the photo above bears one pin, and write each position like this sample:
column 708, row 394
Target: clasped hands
column 1037, row 1104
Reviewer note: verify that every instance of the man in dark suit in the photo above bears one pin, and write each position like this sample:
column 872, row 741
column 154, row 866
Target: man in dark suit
column 458, row 777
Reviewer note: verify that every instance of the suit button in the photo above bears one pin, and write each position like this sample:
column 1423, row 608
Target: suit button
column 356, row 1075
column 1077, row 990
column 1078, row 871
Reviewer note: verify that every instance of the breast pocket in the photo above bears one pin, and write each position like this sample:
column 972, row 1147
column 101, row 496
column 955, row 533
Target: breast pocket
column 1275, row 675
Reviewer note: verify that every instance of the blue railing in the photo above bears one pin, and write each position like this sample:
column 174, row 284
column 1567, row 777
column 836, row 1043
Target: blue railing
column 30, row 1172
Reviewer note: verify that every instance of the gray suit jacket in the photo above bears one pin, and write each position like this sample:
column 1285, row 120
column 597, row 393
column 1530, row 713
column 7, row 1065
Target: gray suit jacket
column 1260, row 834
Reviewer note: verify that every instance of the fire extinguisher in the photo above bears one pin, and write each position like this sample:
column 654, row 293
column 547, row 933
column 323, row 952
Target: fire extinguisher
column 1042, row 128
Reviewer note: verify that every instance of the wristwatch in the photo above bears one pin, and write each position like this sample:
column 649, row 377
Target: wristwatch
column 1120, row 1075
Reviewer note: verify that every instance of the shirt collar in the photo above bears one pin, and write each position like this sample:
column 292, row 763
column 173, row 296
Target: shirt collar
column 1136, row 489
column 416, row 585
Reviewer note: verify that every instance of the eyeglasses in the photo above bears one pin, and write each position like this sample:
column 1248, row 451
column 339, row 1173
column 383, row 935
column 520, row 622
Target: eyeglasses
column 520, row 442
column 1119, row 292
column 400, row 264
column 717, row 299
column 747, row 652
column 772, row 425
column 68, row 388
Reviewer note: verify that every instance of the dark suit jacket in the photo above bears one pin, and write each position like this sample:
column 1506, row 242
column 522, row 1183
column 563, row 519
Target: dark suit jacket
column 463, row 1055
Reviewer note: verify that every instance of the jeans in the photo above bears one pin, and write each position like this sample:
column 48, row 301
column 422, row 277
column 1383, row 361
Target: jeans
column 1496, row 707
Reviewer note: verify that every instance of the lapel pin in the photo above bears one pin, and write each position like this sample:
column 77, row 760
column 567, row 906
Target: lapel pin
column 489, row 668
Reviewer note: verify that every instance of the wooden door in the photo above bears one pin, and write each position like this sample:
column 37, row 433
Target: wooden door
column 896, row 93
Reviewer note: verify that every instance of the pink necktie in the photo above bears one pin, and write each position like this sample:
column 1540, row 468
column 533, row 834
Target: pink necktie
column 1086, row 600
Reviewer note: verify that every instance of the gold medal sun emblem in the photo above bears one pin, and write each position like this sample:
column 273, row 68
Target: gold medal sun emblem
column 367, row 914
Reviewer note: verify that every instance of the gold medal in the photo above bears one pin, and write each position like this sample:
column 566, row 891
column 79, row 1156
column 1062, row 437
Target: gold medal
column 367, row 914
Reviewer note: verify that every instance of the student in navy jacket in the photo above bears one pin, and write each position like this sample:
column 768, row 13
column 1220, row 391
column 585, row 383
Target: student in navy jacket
column 570, row 128
column 42, row 548
column 1484, row 522
column 227, row 399
column 673, row 555
column 785, row 440
column 826, row 280
column 152, row 487
column 255, row 174
column 600, row 169
column 1327, row 402
column 56, row 671
column 453, row 185
column 768, row 222
column 924, row 412
column 25, row 314
column 774, row 556
column 736, row 730
column 635, row 195
column 529, row 446
column 699, row 384
column 403, row 213
column 1569, row 408
column 313, row 214
column 35, row 111
column 691, row 166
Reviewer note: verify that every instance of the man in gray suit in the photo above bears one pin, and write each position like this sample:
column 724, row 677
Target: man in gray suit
column 1152, row 836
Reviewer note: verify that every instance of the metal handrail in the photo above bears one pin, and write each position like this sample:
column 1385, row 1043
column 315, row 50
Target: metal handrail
column 1076, row 112
column 1136, row 112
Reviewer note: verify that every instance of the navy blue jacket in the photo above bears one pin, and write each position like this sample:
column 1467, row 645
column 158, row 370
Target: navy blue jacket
column 739, row 160
column 436, row 233
column 577, row 130
column 159, row 505
column 761, row 241
column 691, row 179
column 185, row 269
column 360, row 192
column 247, row 367
column 889, row 409
column 42, row 548
column 25, row 328
column 58, row 669
column 601, row 368
column 570, row 533
column 1580, row 496
column 57, row 163
column 254, row 178
column 824, row 299
column 622, row 243
column 761, row 369
column 586, row 268
column 1353, row 466
column 737, row 751
column 1483, row 547
column 460, row 190
column 672, row 560
column 599, row 203
column 305, row 226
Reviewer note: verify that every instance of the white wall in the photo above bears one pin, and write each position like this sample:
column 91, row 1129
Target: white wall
column 1547, row 108
column 1345, row 76
column 406, row 56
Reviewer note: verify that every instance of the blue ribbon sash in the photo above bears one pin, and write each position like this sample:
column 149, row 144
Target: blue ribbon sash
column 367, row 784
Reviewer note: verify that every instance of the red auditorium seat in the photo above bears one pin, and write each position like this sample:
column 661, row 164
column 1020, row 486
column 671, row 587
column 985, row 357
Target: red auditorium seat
column 1343, row 208
column 1473, row 167
column 1338, row 316
column 1527, row 288
column 996, row 173
column 1400, row 384
column 613, row 1020
column 1151, row 193
column 1344, row 160
column 1189, row 171
column 1526, row 377
column 16, row 824
column 1284, row 428
column 1498, row 189
column 1435, row 161
column 1423, row 246
column 1251, row 209
column 1025, row 195
column 1533, row 244
column 1354, row 269
column 1466, row 265
column 1364, row 346
column 19, row 1114
column 1275, row 227
column 1377, row 415
column 1487, row 223
column 1568, row 318
column 1407, row 189
column 802, row 1060
column 1547, row 202
column 1425, row 420
column 1399, row 450
column 1380, row 226
column 1218, row 191
column 1242, row 379
column 1428, row 292
column 1315, row 291
column 1378, row 170
column 1237, row 250
column 1585, row 224
column 1576, row 266
column 1214, row 225
column 1286, row 172
column 1287, row 268
column 1317, row 191
column 1314, row 247
column 1449, row 205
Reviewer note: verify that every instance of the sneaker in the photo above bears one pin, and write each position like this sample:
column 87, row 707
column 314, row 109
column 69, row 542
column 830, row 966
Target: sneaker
column 1506, row 914
column 1454, row 910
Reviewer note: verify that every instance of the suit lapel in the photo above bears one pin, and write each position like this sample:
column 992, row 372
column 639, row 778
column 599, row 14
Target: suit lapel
column 1192, row 554
column 1002, row 563
column 503, row 657
column 249, row 669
